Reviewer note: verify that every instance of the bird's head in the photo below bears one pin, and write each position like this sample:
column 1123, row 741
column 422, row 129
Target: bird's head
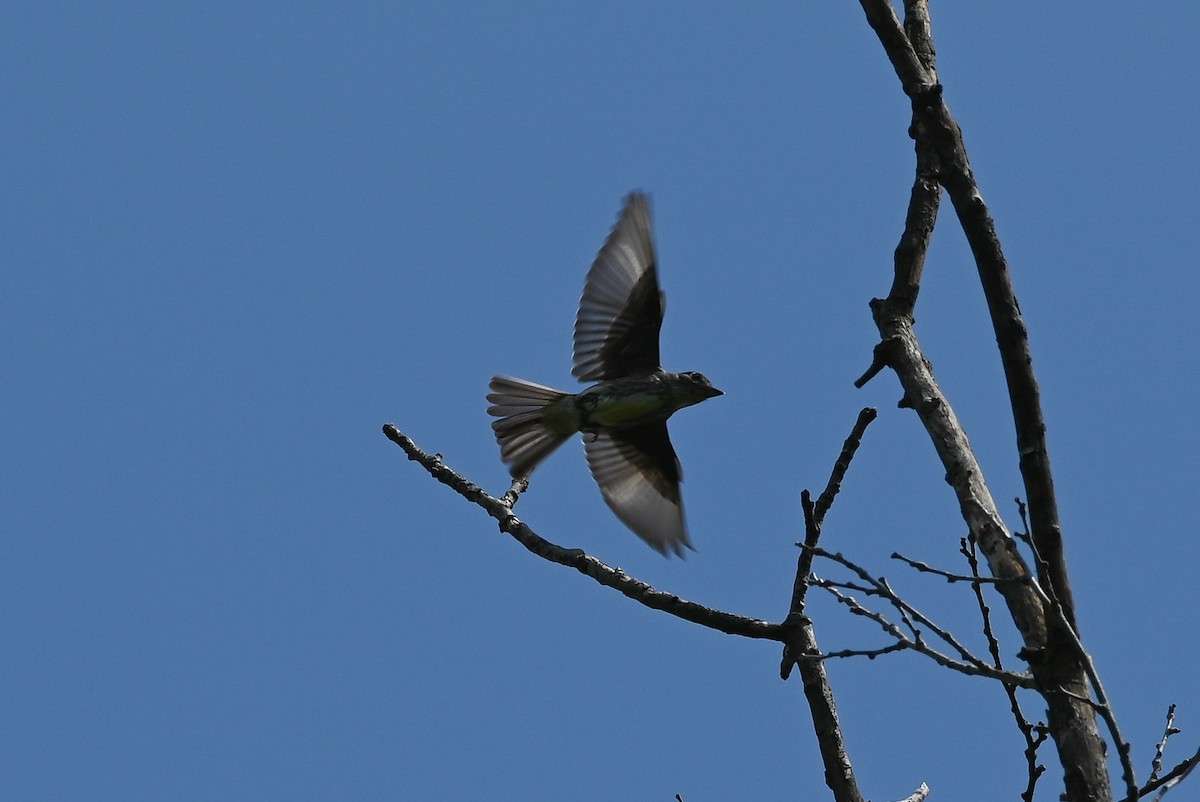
column 693, row 387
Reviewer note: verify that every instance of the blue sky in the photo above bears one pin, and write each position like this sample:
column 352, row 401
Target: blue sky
column 238, row 238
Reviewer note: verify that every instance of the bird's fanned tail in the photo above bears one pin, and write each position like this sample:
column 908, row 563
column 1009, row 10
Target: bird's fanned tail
column 531, row 425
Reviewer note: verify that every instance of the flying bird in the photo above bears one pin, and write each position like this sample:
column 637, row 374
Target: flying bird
column 623, row 415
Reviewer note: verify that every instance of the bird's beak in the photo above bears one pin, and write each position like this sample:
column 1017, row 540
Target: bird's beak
column 713, row 392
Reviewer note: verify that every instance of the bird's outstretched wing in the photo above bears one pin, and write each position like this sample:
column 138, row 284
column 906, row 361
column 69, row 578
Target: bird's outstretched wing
column 620, row 313
column 639, row 475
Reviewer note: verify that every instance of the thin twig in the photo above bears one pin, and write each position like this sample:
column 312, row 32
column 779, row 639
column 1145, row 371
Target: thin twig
column 799, row 648
column 849, row 449
column 814, row 515
column 1169, row 780
column 1156, row 765
column 1023, row 535
column 870, row 654
column 974, row 669
column 925, row 568
column 1101, row 704
column 884, row 591
column 1034, row 736
column 519, row 486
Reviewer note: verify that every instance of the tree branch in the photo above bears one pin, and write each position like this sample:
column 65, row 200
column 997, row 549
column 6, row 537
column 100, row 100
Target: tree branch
column 969, row 664
column 1051, row 655
column 1034, row 736
column 849, row 449
column 1156, row 765
column 581, row 561
column 801, row 646
column 915, row 643
column 1101, row 704
column 919, row 795
column 922, row 393
column 925, row 568
column 1168, row 781
column 908, row 66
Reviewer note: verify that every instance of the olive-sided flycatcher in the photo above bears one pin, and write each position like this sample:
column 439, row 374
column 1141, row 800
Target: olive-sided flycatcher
column 623, row 416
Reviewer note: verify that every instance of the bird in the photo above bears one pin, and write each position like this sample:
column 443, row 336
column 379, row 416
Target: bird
column 623, row 414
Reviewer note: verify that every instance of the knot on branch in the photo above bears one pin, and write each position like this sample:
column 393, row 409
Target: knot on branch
column 881, row 357
column 928, row 94
column 926, row 100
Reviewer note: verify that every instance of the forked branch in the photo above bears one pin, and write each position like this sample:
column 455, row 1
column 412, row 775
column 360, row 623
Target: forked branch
column 1049, row 637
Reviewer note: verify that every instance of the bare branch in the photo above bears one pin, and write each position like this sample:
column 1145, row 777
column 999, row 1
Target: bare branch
column 1034, row 736
column 908, row 66
column 920, row 33
column 849, row 448
column 972, row 668
column 1023, row 535
column 1169, row 780
column 963, row 473
column 1054, row 662
column 879, row 587
column 909, row 258
column 581, row 561
column 814, row 515
column 801, row 648
column 519, row 486
column 920, row 795
column 870, row 654
column 934, row 124
column 1156, row 765
column 1100, row 705
column 1012, row 337
column 925, row 568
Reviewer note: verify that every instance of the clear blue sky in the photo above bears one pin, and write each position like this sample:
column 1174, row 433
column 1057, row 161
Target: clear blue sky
column 239, row 237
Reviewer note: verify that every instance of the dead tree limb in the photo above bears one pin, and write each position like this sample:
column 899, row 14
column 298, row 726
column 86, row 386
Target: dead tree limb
column 580, row 560
column 1057, row 665
column 839, row 773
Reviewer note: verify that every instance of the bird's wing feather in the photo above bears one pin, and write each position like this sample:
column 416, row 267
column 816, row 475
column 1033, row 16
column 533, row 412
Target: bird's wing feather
column 639, row 475
column 620, row 313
